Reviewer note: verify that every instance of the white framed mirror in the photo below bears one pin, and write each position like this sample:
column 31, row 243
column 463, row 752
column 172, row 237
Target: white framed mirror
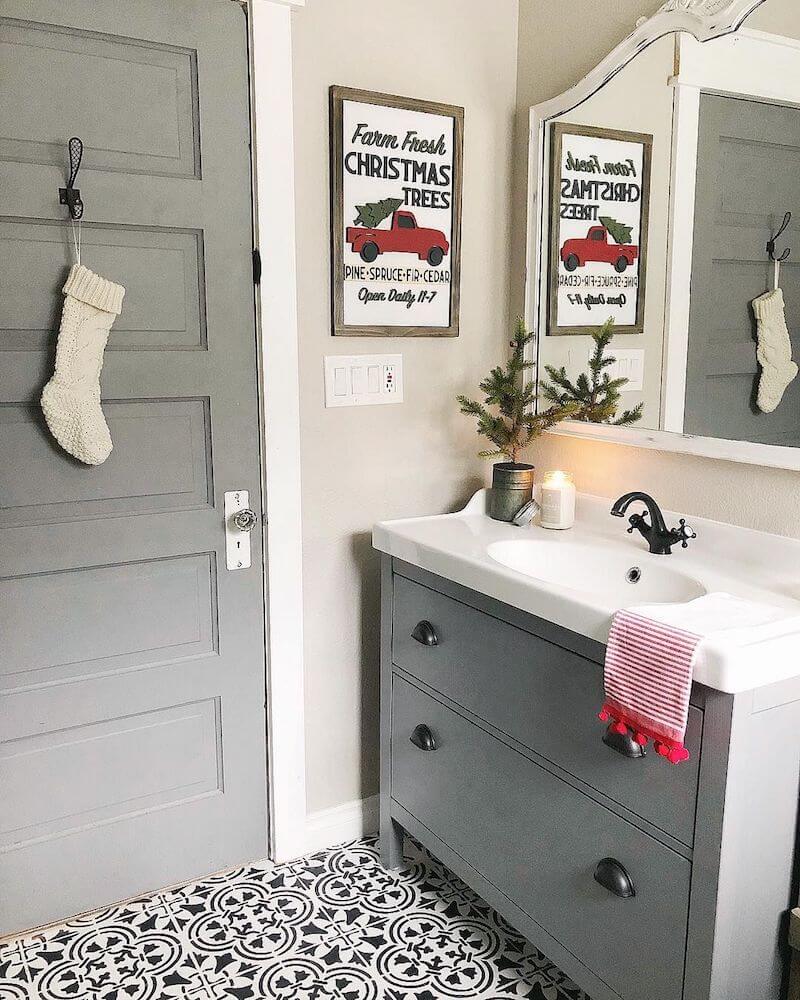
column 655, row 186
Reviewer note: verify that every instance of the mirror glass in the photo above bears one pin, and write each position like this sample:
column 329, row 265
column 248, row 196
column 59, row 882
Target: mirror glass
column 661, row 192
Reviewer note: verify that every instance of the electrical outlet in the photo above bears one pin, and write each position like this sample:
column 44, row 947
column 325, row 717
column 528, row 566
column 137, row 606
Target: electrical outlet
column 363, row 379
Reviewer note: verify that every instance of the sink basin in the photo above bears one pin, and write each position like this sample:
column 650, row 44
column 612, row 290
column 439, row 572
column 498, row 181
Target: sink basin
column 614, row 578
column 578, row 579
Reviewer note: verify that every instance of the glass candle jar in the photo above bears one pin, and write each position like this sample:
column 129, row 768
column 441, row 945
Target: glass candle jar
column 557, row 501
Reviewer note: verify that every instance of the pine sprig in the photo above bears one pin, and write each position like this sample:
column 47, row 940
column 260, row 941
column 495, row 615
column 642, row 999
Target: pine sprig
column 596, row 396
column 505, row 389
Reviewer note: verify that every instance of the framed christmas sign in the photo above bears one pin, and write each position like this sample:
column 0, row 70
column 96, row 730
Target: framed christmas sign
column 396, row 173
column 598, row 230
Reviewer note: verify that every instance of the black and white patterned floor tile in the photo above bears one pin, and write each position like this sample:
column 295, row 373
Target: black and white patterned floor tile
column 334, row 926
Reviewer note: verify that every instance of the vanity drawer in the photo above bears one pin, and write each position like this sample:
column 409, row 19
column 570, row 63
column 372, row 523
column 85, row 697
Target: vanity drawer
column 544, row 696
column 539, row 841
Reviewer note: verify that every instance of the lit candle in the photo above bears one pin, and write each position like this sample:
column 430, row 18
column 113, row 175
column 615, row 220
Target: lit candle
column 557, row 501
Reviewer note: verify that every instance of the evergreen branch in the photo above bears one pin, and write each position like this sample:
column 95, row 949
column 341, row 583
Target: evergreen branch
column 506, row 390
column 559, row 376
column 630, row 416
column 584, row 392
column 594, row 396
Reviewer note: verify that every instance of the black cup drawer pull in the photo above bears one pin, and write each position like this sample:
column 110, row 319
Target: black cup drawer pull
column 626, row 745
column 425, row 634
column 612, row 876
column 423, row 739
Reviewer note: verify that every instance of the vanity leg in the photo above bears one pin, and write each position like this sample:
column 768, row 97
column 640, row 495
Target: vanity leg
column 391, row 844
column 391, row 833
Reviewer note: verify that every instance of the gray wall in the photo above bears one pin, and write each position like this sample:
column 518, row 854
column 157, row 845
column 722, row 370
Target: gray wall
column 360, row 466
column 554, row 52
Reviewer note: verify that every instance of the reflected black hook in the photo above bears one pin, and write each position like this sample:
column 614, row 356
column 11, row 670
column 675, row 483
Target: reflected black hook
column 70, row 195
column 771, row 245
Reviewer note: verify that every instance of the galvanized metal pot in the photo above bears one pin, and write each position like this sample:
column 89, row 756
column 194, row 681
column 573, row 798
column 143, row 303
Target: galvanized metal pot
column 512, row 488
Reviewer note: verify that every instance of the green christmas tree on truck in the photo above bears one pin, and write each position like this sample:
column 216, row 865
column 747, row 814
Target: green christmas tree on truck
column 621, row 233
column 373, row 213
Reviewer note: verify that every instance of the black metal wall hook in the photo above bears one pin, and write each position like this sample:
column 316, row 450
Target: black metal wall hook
column 70, row 195
column 771, row 245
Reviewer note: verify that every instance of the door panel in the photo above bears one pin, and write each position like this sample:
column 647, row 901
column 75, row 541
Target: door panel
column 78, row 63
column 187, row 735
column 108, row 618
column 170, row 436
column 165, row 293
column 748, row 175
column 132, row 727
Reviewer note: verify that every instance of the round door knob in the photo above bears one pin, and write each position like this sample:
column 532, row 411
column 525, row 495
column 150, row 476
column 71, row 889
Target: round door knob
column 245, row 520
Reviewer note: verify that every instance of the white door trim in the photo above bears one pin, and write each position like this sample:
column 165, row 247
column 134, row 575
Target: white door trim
column 274, row 198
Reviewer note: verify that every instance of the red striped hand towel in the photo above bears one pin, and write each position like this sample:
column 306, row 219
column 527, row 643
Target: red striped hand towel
column 648, row 679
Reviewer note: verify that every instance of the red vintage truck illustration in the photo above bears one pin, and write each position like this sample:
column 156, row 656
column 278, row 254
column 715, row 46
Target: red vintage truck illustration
column 600, row 245
column 404, row 236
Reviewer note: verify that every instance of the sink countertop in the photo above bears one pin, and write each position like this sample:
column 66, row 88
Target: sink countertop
column 752, row 565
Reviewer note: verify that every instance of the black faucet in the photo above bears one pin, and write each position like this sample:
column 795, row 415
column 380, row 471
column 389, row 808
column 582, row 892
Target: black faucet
column 658, row 536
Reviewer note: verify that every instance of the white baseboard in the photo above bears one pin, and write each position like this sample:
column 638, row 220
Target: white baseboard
column 350, row 821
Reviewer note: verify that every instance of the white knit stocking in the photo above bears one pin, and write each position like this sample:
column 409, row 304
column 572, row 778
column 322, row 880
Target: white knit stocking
column 774, row 350
column 71, row 399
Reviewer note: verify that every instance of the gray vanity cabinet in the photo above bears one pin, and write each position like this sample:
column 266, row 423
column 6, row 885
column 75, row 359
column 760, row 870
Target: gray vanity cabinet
column 557, row 693
column 492, row 757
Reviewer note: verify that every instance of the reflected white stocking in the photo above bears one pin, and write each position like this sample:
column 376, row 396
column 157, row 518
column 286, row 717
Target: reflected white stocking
column 774, row 350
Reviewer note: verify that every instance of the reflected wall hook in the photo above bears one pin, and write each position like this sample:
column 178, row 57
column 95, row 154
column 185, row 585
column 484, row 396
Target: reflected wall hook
column 70, row 195
column 771, row 245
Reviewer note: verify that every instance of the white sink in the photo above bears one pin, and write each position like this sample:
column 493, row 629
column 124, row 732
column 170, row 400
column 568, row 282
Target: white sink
column 579, row 579
column 616, row 578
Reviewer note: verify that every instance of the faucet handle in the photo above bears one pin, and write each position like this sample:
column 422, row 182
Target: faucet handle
column 686, row 532
column 637, row 521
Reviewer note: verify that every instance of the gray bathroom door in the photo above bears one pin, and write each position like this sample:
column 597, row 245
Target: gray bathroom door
column 132, row 677
column 748, row 175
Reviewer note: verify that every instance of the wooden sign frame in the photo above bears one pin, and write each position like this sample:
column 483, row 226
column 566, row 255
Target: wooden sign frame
column 559, row 131
column 412, row 294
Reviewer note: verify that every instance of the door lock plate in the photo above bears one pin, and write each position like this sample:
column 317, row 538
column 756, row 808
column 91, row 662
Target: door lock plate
column 239, row 522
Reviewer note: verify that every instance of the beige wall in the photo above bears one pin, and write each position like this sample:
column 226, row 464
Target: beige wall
column 363, row 465
column 360, row 466
column 553, row 54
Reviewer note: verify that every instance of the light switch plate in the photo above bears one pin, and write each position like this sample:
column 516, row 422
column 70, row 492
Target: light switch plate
column 363, row 379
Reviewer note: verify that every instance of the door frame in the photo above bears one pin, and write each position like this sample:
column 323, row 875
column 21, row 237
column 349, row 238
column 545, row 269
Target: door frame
column 272, row 113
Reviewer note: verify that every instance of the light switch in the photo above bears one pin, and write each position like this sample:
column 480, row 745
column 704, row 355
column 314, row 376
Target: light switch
column 358, row 375
column 363, row 379
column 340, row 386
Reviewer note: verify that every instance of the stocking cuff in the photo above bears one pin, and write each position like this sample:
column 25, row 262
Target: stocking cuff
column 88, row 287
column 769, row 307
